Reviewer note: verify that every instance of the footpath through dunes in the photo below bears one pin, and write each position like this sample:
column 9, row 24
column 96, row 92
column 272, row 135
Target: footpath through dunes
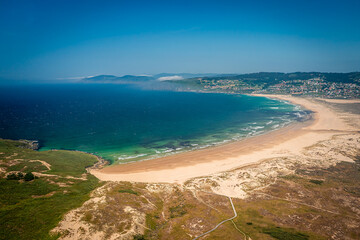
column 288, row 141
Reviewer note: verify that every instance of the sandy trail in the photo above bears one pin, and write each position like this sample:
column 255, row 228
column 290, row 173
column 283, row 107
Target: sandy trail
column 287, row 141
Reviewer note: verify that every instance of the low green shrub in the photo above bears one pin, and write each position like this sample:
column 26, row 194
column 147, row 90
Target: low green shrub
column 318, row 182
column 128, row 191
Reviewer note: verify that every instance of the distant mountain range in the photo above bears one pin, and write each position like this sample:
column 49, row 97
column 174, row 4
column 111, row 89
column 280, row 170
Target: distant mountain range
column 145, row 78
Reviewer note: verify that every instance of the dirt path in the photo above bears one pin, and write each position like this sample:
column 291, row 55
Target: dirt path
column 219, row 224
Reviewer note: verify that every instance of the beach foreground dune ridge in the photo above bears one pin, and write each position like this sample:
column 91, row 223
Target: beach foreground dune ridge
column 288, row 141
column 299, row 182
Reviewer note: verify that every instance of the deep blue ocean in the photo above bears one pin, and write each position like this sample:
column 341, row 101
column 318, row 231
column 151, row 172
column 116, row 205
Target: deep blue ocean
column 123, row 123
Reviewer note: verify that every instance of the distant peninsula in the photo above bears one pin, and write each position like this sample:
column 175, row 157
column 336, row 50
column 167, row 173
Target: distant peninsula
column 315, row 84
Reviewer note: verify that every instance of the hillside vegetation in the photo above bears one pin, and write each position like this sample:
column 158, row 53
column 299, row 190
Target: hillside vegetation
column 31, row 207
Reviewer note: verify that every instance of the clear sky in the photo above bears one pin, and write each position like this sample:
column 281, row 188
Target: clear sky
column 51, row 39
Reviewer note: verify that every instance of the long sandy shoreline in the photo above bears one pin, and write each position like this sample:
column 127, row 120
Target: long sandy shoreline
column 290, row 140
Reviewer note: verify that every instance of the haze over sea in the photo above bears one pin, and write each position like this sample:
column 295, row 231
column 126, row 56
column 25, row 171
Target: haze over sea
column 123, row 123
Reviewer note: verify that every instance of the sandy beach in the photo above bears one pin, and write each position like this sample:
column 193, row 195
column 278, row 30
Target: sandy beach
column 288, row 141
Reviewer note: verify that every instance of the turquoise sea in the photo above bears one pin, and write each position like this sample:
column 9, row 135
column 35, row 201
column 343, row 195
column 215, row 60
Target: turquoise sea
column 123, row 123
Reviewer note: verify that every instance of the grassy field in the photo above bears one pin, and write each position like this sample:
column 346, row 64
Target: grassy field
column 30, row 209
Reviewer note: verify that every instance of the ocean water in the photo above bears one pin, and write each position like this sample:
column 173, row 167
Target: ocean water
column 123, row 123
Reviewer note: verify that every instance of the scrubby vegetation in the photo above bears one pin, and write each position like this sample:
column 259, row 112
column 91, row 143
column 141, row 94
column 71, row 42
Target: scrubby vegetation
column 177, row 211
column 318, row 182
column 283, row 234
column 130, row 191
column 139, row 237
column 20, row 176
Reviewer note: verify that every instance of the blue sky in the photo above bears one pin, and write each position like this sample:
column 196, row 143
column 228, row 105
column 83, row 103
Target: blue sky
column 65, row 39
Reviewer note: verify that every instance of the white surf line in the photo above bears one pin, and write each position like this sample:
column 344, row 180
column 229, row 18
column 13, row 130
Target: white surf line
column 218, row 225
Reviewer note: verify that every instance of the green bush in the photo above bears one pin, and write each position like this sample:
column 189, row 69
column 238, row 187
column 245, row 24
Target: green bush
column 12, row 176
column 177, row 211
column 29, row 176
column 15, row 176
column 139, row 237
